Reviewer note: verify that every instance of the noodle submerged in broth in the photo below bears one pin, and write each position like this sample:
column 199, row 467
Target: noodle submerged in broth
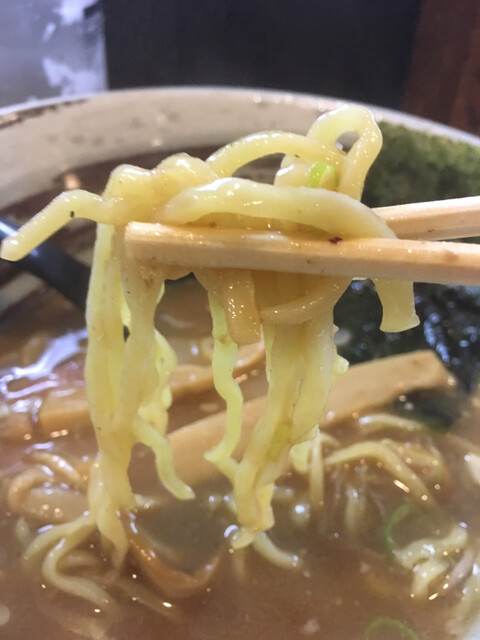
column 366, row 509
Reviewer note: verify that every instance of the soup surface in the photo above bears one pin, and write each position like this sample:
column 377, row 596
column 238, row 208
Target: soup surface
column 344, row 574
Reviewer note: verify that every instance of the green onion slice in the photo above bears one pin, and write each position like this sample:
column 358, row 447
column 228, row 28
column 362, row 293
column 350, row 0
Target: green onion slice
column 401, row 513
column 378, row 626
column 322, row 175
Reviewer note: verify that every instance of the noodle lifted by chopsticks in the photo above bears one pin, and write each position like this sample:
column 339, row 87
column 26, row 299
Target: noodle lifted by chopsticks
column 316, row 189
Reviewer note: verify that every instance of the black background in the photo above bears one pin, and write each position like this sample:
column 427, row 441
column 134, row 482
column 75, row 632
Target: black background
column 355, row 49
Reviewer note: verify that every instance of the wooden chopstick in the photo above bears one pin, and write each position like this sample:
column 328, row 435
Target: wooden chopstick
column 404, row 259
column 436, row 220
column 419, row 260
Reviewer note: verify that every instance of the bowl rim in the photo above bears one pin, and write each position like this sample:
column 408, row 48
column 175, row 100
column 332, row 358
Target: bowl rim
column 18, row 111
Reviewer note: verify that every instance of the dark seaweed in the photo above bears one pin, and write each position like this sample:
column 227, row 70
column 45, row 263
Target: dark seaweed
column 436, row 409
column 449, row 318
column 417, row 167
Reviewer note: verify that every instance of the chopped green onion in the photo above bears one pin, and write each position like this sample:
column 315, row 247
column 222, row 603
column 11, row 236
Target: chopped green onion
column 322, row 175
column 400, row 513
column 383, row 623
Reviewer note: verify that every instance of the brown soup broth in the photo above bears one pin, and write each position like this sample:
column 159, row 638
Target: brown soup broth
column 341, row 585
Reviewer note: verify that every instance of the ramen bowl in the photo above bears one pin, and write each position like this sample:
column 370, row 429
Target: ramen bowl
column 58, row 145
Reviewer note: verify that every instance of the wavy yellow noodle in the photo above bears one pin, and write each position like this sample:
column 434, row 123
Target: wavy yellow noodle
column 128, row 380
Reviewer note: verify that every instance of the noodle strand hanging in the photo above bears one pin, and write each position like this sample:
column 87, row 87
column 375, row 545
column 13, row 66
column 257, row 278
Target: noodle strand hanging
column 317, row 189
